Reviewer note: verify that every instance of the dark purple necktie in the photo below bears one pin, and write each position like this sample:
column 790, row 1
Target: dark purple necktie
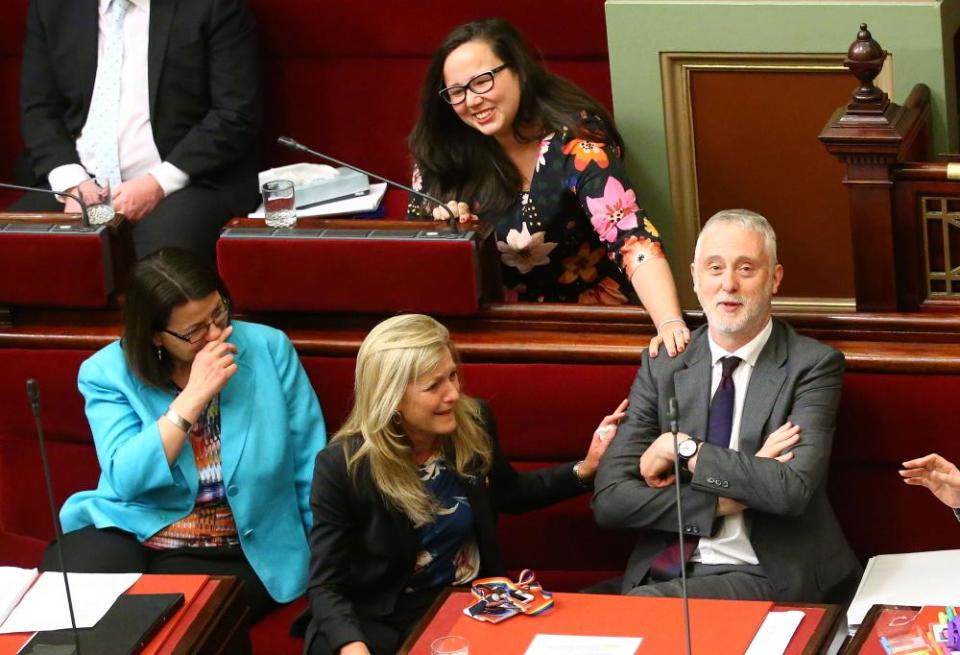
column 666, row 565
column 721, row 407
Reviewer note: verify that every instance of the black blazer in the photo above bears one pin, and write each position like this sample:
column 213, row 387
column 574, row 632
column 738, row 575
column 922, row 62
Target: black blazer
column 203, row 75
column 362, row 552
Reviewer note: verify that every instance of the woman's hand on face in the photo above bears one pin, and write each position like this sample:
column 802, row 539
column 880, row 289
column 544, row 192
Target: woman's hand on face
column 212, row 368
column 461, row 211
column 602, row 437
column 675, row 335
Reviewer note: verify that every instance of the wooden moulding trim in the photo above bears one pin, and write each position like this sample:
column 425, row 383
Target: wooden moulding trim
column 676, row 69
column 895, row 355
column 926, row 171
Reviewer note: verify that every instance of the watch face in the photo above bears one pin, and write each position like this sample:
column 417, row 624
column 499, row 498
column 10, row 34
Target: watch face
column 687, row 448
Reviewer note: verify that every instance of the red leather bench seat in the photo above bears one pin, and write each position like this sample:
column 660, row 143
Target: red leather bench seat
column 545, row 414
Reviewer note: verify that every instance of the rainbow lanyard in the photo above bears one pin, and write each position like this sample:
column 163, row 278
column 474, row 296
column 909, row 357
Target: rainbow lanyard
column 500, row 598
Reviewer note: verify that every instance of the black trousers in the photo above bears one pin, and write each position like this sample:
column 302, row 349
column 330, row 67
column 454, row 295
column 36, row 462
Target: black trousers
column 190, row 218
column 385, row 635
column 90, row 550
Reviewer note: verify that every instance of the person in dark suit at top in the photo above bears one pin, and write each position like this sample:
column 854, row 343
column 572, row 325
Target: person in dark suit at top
column 406, row 494
column 757, row 409
column 161, row 98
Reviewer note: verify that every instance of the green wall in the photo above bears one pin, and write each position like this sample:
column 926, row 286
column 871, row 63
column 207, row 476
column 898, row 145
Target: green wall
column 919, row 35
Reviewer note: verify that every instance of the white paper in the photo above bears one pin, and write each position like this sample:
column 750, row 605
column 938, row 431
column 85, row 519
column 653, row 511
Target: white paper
column 577, row 645
column 299, row 174
column 44, row 607
column 775, row 633
column 354, row 205
column 927, row 578
column 14, row 583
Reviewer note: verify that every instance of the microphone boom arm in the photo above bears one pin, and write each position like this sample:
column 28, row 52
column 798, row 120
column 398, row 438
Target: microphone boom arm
column 84, row 216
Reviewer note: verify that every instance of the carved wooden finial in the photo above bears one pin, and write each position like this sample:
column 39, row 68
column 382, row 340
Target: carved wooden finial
column 865, row 60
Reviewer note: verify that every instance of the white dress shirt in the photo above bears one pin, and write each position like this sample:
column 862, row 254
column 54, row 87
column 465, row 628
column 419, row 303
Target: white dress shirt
column 731, row 545
column 138, row 151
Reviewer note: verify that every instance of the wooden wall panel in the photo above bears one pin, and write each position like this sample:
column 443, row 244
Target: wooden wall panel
column 755, row 139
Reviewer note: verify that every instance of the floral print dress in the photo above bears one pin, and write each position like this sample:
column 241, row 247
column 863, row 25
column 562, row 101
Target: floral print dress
column 578, row 234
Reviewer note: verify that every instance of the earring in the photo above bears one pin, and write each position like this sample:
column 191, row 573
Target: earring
column 396, row 418
column 159, row 353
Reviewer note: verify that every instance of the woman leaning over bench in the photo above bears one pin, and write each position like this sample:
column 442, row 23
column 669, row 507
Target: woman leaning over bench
column 502, row 138
column 206, row 431
column 405, row 496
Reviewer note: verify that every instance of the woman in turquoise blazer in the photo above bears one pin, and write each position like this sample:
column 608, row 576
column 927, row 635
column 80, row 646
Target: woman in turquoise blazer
column 173, row 496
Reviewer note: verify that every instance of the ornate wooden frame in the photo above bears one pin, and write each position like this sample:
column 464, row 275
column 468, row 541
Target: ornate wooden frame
column 675, row 71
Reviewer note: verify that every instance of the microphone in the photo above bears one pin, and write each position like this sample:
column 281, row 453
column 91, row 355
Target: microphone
column 33, row 393
column 673, row 418
column 84, row 216
column 287, row 142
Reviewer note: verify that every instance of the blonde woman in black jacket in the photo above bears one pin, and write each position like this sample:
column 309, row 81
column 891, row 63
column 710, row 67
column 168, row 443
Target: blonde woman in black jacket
column 405, row 496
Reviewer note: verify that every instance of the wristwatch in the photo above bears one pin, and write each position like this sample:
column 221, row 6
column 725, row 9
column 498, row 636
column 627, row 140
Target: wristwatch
column 687, row 450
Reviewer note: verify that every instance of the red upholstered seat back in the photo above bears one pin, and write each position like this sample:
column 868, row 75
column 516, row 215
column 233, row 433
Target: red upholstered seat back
column 24, row 509
column 886, row 419
column 11, row 49
column 545, row 414
column 344, row 77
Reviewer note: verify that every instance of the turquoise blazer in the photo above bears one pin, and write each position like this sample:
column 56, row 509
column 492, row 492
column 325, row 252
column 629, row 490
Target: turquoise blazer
column 271, row 430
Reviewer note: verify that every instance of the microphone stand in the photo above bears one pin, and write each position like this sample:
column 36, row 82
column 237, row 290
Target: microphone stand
column 84, row 216
column 33, row 393
column 292, row 144
column 672, row 415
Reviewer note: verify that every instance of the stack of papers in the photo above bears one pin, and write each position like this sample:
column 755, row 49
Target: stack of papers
column 14, row 583
column 775, row 633
column 44, row 606
column 928, row 578
column 355, row 205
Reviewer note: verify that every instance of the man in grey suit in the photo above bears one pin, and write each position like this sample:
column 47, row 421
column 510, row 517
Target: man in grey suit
column 757, row 405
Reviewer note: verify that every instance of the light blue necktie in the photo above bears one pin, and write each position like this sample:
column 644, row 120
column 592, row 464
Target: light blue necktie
column 104, row 119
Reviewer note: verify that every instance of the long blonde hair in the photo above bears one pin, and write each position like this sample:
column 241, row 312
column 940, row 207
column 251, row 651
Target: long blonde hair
column 395, row 353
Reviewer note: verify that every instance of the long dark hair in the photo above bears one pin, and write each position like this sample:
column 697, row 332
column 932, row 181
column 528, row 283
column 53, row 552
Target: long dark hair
column 157, row 284
column 460, row 163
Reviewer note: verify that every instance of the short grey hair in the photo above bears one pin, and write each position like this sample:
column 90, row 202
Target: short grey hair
column 748, row 220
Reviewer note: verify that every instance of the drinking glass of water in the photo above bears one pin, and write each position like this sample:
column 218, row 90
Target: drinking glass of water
column 96, row 194
column 450, row 645
column 279, row 203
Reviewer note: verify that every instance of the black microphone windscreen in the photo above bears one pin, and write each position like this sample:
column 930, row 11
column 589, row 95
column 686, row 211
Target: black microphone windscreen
column 287, row 142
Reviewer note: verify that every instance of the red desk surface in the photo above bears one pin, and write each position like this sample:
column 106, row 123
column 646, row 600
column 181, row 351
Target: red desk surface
column 719, row 627
column 193, row 587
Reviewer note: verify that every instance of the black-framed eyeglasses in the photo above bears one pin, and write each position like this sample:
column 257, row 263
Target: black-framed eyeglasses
column 479, row 84
column 221, row 319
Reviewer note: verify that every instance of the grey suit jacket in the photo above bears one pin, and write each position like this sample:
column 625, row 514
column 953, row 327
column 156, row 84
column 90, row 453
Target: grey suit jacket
column 792, row 527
